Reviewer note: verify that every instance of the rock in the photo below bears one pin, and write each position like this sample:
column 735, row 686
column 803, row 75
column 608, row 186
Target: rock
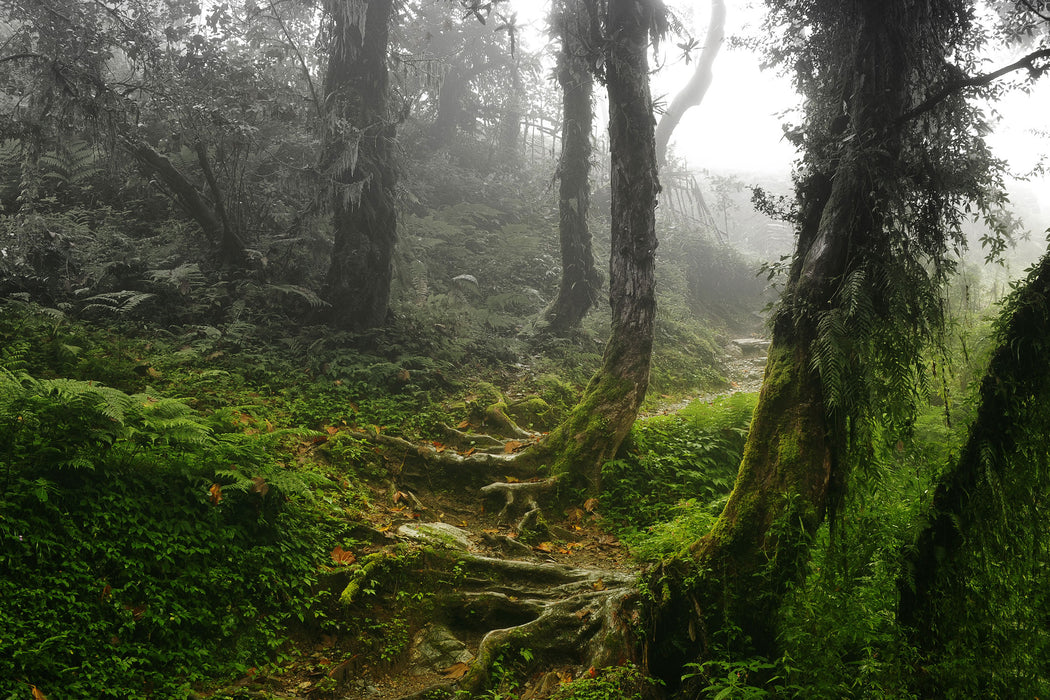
column 437, row 648
column 752, row 346
column 437, row 535
column 534, row 413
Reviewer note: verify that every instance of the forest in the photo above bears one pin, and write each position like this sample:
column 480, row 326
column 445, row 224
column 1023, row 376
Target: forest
column 396, row 349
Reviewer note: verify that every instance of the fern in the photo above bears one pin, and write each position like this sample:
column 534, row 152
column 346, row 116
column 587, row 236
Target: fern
column 120, row 303
column 182, row 279
column 73, row 424
column 307, row 295
column 72, row 164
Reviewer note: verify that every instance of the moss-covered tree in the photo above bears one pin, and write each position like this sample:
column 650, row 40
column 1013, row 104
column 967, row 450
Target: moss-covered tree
column 975, row 578
column 581, row 282
column 358, row 158
column 879, row 200
column 595, row 428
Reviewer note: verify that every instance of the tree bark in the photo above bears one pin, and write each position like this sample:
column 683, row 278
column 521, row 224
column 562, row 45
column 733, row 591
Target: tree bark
column 594, row 430
column 693, row 92
column 580, row 281
column 358, row 155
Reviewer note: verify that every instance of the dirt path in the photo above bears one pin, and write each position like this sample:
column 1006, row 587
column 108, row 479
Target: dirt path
column 745, row 370
column 558, row 579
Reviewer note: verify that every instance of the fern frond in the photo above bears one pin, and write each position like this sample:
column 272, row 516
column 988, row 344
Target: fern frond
column 309, row 296
column 117, row 303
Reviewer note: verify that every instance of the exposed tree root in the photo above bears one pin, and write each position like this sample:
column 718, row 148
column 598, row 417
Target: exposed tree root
column 559, row 614
column 520, row 498
column 426, row 463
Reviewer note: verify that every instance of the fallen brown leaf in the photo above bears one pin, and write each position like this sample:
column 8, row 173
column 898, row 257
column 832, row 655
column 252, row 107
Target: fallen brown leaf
column 341, row 557
column 456, row 671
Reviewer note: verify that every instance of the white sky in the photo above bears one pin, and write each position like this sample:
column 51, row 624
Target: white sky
column 737, row 127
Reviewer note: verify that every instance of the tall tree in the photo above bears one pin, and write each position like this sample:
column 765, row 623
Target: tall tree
column 694, row 91
column 580, row 280
column 598, row 424
column 986, row 528
column 358, row 157
column 879, row 201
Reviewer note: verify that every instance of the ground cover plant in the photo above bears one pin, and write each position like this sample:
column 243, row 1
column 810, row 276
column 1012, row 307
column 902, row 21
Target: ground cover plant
column 343, row 356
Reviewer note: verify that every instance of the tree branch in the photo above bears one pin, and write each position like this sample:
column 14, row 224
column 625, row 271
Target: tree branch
column 20, row 56
column 302, row 62
column 955, row 86
column 1035, row 11
column 693, row 92
column 232, row 246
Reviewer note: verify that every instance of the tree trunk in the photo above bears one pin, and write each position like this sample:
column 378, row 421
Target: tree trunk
column 792, row 461
column 450, row 111
column 580, row 281
column 509, row 133
column 229, row 243
column 594, row 430
column 358, row 155
column 986, row 507
column 693, row 92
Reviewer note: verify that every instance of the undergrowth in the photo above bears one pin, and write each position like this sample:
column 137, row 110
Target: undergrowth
column 673, row 473
column 145, row 547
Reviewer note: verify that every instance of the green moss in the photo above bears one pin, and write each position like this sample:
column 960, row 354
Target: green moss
column 533, row 413
column 370, row 572
column 485, row 394
column 789, row 451
column 780, row 370
column 559, row 394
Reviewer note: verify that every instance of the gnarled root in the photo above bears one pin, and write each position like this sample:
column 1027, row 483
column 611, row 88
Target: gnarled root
column 519, row 498
column 559, row 614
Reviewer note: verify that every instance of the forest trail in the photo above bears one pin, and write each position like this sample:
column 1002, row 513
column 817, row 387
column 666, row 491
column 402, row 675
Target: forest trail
column 561, row 583
column 553, row 574
column 745, row 367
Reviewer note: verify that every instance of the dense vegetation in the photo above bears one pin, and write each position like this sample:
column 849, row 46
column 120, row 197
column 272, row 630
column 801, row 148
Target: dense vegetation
column 306, row 372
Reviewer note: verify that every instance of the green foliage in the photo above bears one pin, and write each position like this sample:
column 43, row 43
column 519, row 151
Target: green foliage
column 129, row 570
column 669, row 464
column 686, row 357
column 624, row 682
column 747, row 679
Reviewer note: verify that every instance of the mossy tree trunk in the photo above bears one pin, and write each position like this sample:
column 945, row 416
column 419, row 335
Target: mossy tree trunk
column 580, row 281
column 727, row 594
column 358, row 156
column 594, row 430
column 987, row 522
